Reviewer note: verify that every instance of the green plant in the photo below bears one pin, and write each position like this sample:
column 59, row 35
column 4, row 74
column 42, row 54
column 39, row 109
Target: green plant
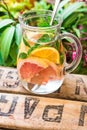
column 42, row 4
column 10, row 30
column 74, row 21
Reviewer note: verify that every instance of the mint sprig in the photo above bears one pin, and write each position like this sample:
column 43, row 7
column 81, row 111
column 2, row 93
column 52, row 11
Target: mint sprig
column 25, row 42
column 44, row 38
column 33, row 48
column 23, row 55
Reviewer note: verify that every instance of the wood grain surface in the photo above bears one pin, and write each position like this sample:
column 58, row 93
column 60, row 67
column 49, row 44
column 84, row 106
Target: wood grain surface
column 74, row 86
column 66, row 109
column 26, row 112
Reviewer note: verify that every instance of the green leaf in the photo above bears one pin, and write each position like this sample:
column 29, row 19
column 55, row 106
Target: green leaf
column 62, row 57
column 13, row 54
column 32, row 48
column 9, row 62
column 62, row 3
column 2, row 13
column 83, row 10
column 6, row 22
column 1, row 61
column 23, row 55
column 6, row 40
column 44, row 38
column 44, row 22
column 72, row 8
column 77, row 31
column 42, row 4
column 3, row 6
column 18, row 34
column 83, row 20
column 25, row 42
column 70, row 20
column 57, row 45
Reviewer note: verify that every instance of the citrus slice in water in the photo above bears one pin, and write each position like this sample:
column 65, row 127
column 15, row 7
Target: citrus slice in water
column 48, row 73
column 37, row 70
column 29, row 67
column 49, row 53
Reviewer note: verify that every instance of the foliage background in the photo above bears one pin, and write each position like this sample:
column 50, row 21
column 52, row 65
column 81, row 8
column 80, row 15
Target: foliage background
column 74, row 20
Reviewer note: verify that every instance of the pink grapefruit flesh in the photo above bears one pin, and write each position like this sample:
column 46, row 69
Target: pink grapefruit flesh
column 29, row 67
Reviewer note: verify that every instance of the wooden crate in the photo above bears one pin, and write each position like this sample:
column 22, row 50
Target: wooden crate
column 66, row 109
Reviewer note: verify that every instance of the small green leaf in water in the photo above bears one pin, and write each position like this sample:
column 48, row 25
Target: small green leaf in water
column 23, row 55
column 43, row 22
column 57, row 45
column 32, row 48
column 45, row 38
column 62, row 58
column 25, row 42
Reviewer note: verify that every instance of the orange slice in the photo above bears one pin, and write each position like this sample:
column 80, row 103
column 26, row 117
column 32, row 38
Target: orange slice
column 49, row 53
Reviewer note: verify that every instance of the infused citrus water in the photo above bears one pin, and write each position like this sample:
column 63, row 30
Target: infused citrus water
column 41, row 65
column 42, row 61
column 41, row 55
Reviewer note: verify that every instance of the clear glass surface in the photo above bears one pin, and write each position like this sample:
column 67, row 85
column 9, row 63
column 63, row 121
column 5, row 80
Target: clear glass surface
column 42, row 62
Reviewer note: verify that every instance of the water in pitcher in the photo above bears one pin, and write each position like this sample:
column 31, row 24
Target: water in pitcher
column 41, row 57
column 43, row 71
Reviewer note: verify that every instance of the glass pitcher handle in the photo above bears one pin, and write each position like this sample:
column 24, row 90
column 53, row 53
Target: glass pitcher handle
column 72, row 66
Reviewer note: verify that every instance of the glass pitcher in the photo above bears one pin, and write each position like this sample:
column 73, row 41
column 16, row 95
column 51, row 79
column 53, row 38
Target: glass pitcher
column 42, row 63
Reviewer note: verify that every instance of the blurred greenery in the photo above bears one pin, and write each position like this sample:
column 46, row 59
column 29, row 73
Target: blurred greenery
column 74, row 21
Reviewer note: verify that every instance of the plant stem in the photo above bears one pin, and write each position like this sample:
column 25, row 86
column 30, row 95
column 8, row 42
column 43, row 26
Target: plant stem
column 7, row 9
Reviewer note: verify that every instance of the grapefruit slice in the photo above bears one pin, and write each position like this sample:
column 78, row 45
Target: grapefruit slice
column 43, row 76
column 52, row 72
column 49, row 53
column 29, row 67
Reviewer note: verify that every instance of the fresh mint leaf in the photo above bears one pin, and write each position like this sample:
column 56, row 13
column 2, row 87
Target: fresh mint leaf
column 57, row 45
column 22, row 55
column 45, row 38
column 43, row 22
column 32, row 48
column 25, row 42
column 62, row 58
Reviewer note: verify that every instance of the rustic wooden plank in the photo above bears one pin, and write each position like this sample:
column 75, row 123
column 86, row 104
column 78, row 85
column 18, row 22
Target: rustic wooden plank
column 6, row 129
column 74, row 86
column 26, row 112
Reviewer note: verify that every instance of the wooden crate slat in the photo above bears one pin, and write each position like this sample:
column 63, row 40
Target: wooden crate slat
column 74, row 86
column 39, row 113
